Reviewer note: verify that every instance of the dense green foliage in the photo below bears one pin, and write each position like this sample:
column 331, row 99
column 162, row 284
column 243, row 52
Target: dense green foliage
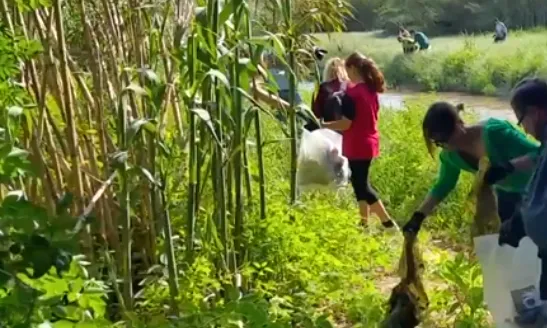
column 450, row 16
column 142, row 185
column 323, row 266
column 467, row 63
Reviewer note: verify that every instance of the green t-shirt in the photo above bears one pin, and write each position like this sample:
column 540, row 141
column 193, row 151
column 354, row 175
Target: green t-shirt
column 503, row 143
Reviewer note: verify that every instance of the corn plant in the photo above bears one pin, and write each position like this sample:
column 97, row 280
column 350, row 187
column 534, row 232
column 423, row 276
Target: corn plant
column 124, row 91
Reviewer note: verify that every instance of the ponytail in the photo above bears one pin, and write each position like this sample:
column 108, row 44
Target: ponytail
column 368, row 70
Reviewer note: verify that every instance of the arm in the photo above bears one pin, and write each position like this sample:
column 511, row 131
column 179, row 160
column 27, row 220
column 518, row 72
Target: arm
column 340, row 125
column 428, row 205
column 268, row 97
column 524, row 163
column 515, row 139
column 511, row 138
column 447, row 180
column 448, row 177
column 348, row 115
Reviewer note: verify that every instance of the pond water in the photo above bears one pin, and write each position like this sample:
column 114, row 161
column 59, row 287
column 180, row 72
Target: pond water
column 484, row 106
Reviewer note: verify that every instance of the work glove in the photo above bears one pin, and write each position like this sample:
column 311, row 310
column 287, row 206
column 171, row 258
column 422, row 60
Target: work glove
column 512, row 231
column 497, row 173
column 414, row 224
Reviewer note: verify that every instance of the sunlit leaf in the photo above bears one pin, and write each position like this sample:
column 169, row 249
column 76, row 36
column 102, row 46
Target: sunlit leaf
column 219, row 76
column 150, row 75
column 18, row 152
column 15, row 111
column 63, row 324
column 119, row 158
column 137, row 89
column 204, row 115
column 145, row 173
column 139, row 124
column 45, row 324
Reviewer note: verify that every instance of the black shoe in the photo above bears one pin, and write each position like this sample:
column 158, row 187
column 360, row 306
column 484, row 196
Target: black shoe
column 388, row 224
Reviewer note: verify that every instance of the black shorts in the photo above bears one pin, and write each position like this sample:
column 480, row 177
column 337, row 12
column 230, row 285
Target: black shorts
column 360, row 181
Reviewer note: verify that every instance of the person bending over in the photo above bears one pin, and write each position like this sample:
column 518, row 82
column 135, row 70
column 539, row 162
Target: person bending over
column 421, row 39
column 510, row 153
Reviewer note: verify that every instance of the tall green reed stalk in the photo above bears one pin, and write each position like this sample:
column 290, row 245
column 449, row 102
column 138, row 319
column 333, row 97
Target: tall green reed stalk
column 239, row 143
column 91, row 125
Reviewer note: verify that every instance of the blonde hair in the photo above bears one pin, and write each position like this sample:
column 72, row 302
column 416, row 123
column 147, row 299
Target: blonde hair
column 335, row 69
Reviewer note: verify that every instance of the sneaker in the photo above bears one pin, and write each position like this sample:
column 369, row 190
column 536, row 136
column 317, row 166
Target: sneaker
column 390, row 224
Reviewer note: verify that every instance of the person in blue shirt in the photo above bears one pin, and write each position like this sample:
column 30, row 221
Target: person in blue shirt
column 421, row 39
column 529, row 102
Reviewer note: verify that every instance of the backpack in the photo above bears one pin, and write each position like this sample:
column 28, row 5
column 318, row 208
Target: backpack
column 335, row 103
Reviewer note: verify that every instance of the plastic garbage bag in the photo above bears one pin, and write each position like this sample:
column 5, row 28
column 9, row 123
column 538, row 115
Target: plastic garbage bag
column 511, row 281
column 408, row 299
column 320, row 160
column 510, row 275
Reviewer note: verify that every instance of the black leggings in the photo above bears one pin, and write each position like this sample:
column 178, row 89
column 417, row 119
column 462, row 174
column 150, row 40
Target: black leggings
column 360, row 181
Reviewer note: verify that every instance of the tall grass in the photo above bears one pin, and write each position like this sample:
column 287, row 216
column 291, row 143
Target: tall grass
column 468, row 63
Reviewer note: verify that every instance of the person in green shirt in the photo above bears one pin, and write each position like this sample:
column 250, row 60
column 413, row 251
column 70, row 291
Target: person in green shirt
column 462, row 148
column 421, row 39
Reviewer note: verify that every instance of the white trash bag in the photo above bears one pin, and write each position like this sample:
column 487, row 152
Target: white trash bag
column 510, row 279
column 320, row 160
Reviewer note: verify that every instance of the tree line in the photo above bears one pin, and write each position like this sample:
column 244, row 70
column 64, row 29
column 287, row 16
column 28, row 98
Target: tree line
column 446, row 16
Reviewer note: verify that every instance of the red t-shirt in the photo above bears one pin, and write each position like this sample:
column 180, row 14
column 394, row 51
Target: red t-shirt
column 361, row 140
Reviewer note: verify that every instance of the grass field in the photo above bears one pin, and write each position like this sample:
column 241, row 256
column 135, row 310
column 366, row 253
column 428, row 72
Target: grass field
column 468, row 63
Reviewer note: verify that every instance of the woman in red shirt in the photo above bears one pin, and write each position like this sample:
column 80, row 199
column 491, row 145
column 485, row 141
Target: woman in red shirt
column 360, row 141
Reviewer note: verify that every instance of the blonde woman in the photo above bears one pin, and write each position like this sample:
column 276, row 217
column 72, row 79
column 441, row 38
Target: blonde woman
column 329, row 101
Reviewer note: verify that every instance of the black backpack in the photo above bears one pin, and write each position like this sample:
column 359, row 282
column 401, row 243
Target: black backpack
column 337, row 104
